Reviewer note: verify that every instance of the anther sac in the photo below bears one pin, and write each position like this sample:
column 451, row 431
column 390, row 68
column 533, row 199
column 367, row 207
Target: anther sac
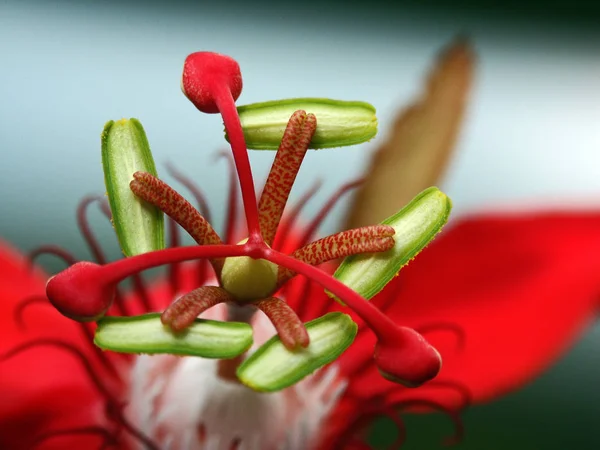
column 250, row 274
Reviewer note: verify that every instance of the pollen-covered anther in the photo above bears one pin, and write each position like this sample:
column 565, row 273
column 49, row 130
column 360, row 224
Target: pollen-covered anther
column 294, row 144
column 371, row 239
column 288, row 325
column 160, row 194
column 182, row 313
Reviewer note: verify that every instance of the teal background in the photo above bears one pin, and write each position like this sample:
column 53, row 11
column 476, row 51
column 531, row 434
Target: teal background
column 531, row 139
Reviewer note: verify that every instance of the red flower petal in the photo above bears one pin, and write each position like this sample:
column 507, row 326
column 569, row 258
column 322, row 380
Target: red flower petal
column 43, row 388
column 520, row 289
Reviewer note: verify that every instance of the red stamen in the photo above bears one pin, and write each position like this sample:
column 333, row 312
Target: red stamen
column 175, row 268
column 213, row 82
column 182, row 313
column 448, row 327
column 142, row 293
column 326, row 209
column 164, row 197
column 87, row 332
column 54, row 250
column 454, row 416
column 372, row 239
column 293, row 147
column 290, row 328
column 77, row 353
column 85, row 229
column 194, row 190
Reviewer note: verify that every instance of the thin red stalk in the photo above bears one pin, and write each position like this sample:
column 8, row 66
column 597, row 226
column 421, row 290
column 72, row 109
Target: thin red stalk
column 52, row 250
column 140, row 289
column 290, row 220
column 326, row 209
column 445, row 326
column 194, row 190
column 89, row 370
column 175, row 268
column 452, row 415
column 289, row 327
column 123, row 268
column 119, row 300
column 226, row 104
column 289, row 157
column 89, row 336
column 371, row 239
column 301, row 302
column 86, row 231
column 232, row 200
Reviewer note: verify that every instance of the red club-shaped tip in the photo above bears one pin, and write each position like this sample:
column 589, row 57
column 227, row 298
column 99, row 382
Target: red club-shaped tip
column 407, row 359
column 204, row 74
column 79, row 294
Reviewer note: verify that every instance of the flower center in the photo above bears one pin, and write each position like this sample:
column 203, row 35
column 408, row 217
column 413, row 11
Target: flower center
column 249, row 279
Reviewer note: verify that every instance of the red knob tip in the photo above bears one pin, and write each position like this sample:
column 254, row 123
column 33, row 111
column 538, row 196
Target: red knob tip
column 204, row 74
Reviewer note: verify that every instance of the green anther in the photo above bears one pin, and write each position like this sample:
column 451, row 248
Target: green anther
column 339, row 123
column 125, row 150
column 146, row 334
column 416, row 225
column 273, row 367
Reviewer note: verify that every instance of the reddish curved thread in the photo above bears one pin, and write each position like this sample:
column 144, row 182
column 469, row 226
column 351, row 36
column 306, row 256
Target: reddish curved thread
column 89, row 370
column 462, row 390
column 326, row 209
column 194, row 190
column 92, row 241
column 113, row 407
column 88, row 335
column 300, row 301
column 446, row 326
column 115, row 412
column 142, row 292
column 363, row 422
column 175, row 268
column 459, row 428
column 86, row 231
column 24, row 304
column 54, row 250
column 290, row 221
column 232, row 199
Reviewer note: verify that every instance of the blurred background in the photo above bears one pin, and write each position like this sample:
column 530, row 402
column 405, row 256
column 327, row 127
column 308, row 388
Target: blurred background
column 530, row 140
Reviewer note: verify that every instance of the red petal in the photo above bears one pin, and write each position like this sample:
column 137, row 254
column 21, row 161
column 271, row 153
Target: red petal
column 521, row 289
column 43, row 388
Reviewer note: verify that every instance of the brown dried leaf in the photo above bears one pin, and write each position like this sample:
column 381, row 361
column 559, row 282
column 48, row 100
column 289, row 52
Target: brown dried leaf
column 420, row 143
